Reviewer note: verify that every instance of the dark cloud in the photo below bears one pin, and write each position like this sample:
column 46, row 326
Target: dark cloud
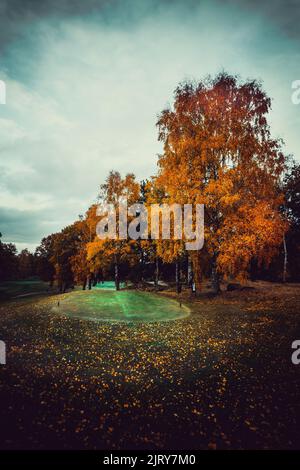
column 22, row 226
column 17, row 14
column 27, row 227
column 285, row 14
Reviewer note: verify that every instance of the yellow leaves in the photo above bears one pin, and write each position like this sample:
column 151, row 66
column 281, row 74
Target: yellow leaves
column 251, row 231
column 250, row 426
column 192, row 372
column 229, row 199
column 215, row 154
column 94, row 248
column 212, row 446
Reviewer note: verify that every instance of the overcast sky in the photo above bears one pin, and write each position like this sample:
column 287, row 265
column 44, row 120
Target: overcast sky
column 86, row 79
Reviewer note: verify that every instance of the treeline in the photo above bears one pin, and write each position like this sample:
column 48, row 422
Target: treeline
column 218, row 151
column 13, row 265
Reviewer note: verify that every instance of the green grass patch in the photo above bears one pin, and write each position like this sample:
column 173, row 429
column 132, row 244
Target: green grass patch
column 120, row 306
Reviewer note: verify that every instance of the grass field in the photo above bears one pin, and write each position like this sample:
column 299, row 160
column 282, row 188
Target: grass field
column 220, row 378
column 23, row 287
column 120, row 306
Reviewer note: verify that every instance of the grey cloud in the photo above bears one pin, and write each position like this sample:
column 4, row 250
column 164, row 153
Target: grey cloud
column 283, row 13
column 22, row 226
column 17, row 14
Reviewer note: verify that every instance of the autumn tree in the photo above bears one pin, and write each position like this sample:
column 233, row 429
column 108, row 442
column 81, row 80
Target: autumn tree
column 26, row 264
column 8, row 261
column 218, row 151
column 65, row 247
column 103, row 253
column 291, row 188
column 170, row 250
column 84, row 272
column 43, row 255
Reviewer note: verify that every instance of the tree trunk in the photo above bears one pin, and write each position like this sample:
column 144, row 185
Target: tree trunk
column 142, row 264
column 189, row 272
column 285, row 260
column 215, row 279
column 156, row 273
column 84, row 284
column 117, row 281
column 90, row 282
column 197, row 274
column 178, row 284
